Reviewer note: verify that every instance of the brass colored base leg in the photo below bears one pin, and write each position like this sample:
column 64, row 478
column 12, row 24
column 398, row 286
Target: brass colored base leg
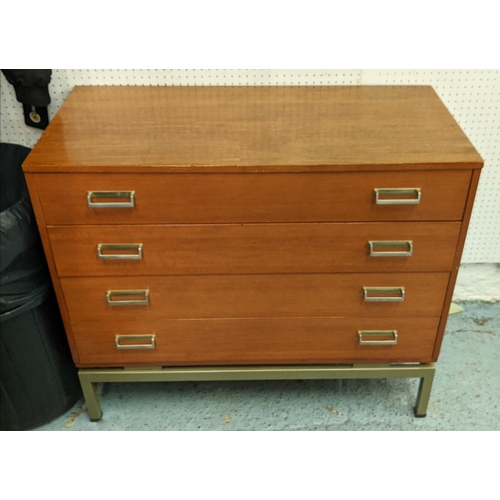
column 424, row 393
column 89, row 377
column 91, row 398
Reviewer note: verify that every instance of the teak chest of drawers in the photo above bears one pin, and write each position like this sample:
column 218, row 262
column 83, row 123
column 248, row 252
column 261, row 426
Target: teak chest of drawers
column 210, row 233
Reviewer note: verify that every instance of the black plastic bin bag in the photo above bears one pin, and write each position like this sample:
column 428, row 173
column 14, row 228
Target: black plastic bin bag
column 38, row 380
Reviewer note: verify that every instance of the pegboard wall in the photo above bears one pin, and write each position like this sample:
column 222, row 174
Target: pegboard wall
column 472, row 96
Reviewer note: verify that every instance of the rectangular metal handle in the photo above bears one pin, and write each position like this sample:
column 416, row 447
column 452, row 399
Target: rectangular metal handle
column 145, row 341
column 119, row 195
column 393, row 334
column 384, row 294
column 374, row 245
column 144, row 301
column 382, row 194
column 119, row 247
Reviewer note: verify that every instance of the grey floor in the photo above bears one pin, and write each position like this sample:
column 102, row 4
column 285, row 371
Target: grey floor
column 465, row 395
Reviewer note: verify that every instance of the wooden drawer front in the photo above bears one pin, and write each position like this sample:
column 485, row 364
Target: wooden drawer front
column 225, row 198
column 256, row 341
column 252, row 296
column 253, row 248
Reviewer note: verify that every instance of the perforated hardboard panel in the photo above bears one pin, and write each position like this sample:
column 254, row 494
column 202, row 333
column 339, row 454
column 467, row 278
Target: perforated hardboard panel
column 472, row 96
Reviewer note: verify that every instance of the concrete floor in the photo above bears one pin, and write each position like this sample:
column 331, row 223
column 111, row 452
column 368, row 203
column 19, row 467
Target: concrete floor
column 465, row 395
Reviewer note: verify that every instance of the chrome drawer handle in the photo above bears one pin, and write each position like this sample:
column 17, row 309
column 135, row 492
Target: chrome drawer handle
column 128, row 293
column 391, row 244
column 392, row 294
column 393, row 334
column 415, row 192
column 128, row 195
column 135, row 247
column 146, row 341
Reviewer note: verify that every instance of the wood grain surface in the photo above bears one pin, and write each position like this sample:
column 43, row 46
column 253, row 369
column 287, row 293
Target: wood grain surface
column 253, row 248
column 456, row 261
column 253, row 296
column 251, row 128
column 201, row 198
column 37, row 208
column 257, row 341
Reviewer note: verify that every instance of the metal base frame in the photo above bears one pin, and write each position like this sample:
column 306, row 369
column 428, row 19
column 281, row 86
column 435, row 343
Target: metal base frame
column 90, row 377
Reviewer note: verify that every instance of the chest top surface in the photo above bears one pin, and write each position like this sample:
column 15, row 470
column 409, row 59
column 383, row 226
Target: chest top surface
column 250, row 129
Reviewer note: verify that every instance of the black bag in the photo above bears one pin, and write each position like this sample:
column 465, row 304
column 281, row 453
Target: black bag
column 38, row 380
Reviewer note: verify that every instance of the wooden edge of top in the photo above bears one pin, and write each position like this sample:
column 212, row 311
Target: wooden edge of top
column 186, row 169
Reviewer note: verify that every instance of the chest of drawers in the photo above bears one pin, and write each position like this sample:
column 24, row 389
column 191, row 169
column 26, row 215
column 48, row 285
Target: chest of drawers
column 207, row 233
